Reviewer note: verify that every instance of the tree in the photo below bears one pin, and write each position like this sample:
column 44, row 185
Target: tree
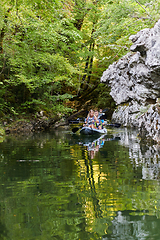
column 38, row 49
column 55, row 51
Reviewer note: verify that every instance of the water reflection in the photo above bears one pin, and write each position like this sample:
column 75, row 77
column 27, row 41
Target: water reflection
column 125, row 226
column 62, row 186
column 146, row 156
column 93, row 143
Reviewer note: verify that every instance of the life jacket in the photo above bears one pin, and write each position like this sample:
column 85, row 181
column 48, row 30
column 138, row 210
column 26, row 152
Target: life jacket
column 90, row 120
column 99, row 124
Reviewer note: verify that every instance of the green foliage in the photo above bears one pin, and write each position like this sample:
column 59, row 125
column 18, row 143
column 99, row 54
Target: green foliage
column 119, row 20
column 2, row 132
column 39, row 50
column 51, row 51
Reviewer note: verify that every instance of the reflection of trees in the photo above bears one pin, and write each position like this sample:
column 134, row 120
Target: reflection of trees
column 90, row 177
column 3, row 229
column 124, row 189
column 68, row 195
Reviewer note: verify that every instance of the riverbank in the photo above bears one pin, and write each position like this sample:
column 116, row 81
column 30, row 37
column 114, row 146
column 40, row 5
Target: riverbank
column 38, row 122
column 31, row 124
column 28, row 125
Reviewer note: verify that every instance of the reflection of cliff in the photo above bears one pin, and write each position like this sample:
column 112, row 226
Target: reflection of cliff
column 126, row 226
column 141, row 155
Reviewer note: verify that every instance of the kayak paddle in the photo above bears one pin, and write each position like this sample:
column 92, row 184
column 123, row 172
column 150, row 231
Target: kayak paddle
column 117, row 125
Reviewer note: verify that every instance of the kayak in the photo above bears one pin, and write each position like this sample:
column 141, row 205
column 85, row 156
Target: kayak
column 92, row 131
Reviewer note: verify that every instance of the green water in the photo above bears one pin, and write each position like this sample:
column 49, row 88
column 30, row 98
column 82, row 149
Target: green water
column 62, row 186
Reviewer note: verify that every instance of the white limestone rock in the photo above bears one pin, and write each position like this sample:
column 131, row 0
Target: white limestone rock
column 135, row 83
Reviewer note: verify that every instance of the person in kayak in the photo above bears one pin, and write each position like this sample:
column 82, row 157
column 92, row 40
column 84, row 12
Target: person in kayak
column 91, row 120
column 100, row 113
column 99, row 124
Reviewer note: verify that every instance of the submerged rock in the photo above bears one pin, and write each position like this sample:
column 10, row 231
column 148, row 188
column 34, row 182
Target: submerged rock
column 135, row 83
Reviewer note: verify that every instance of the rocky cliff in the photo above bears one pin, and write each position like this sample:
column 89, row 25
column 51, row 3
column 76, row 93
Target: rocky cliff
column 135, row 84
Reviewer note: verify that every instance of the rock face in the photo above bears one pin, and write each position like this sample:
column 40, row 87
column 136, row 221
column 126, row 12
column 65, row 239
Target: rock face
column 135, row 83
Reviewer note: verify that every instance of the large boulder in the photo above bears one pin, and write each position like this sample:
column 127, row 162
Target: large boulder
column 135, row 79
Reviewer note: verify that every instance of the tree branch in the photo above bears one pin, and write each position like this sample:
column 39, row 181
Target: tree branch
column 144, row 9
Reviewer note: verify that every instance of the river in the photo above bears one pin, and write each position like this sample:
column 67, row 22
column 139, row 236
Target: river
column 62, row 186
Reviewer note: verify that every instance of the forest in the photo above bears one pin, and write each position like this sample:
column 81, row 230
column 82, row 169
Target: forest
column 53, row 52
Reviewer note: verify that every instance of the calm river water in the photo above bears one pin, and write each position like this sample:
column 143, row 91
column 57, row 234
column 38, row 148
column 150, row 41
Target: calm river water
column 62, row 186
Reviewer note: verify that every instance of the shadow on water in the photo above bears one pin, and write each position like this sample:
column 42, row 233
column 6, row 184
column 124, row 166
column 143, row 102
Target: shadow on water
column 60, row 185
